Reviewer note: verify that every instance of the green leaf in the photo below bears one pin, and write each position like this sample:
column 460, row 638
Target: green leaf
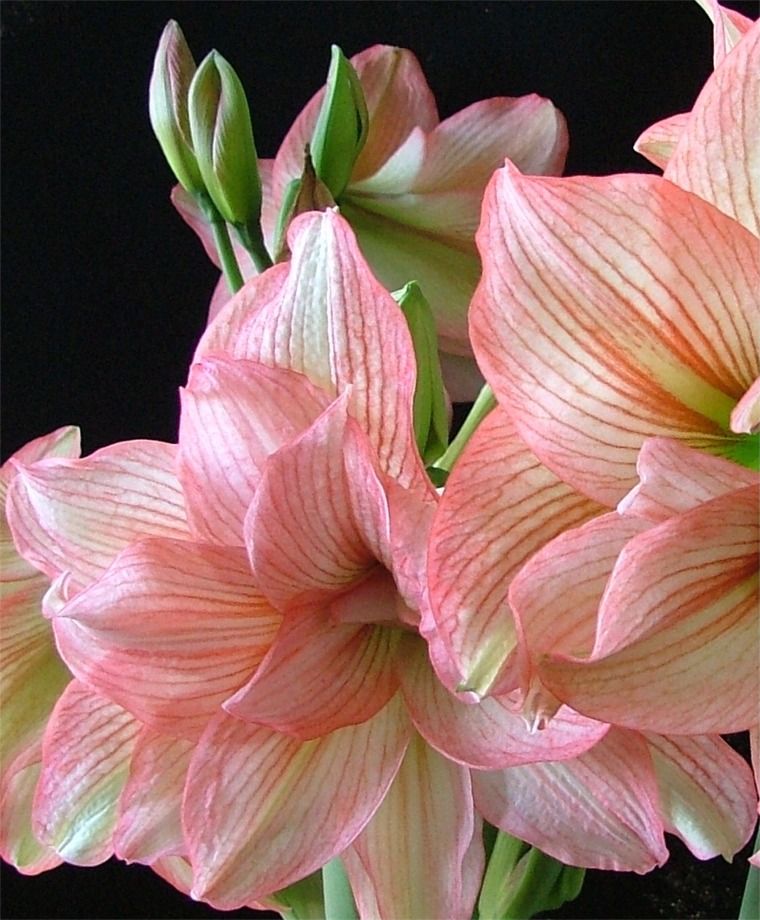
column 520, row 881
column 339, row 899
column 342, row 125
column 431, row 417
column 220, row 126
column 303, row 900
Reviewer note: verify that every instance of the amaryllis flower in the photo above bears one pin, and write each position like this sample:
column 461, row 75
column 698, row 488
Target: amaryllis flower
column 66, row 747
column 414, row 196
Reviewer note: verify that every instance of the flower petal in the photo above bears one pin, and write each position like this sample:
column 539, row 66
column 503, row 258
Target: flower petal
column 333, row 322
column 149, row 825
column 746, row 415
column 674, row 478
column 234, row 414
column 409, row 860
column 320, row 676
column 677, row 641
column 707, row 793
column 86, row 751
column 612, row 309
column 718, row 155
column 500, row 505
column 76, row 515
column 487, row 735
column 262, row 810
column 170, row 631
column 302, row 538
column 599, row 810
column 659, row 141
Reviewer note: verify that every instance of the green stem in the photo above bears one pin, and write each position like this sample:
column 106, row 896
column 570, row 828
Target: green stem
column 485, row 402
column 230, row 266
column 339, row 901
column 750, row 907
column 251, row 237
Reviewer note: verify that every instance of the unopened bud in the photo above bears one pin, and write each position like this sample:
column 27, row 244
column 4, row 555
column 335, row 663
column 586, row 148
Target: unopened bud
column 222, row 136
column 173, row 70
column 307, row 193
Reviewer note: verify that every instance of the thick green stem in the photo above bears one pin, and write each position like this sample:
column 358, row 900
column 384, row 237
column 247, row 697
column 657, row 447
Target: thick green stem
column 750, row 907
column 251, row 237
column 339, row 901
column 485, row 402
column 230, row 266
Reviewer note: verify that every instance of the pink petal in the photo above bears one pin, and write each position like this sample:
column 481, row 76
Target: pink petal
column 234, row 415
column 262, row 810
column 718, row 156
column 500, row 505
column 677, row 642
column 612, row 309
column 599, row 810
column 320, row 676
column 332, row 321
column 659, row 141
column 746, row 415
column 85, row 760
column 301, row 535
column 728, row 28
column 409, row 861
column 674, row 478
column 18, row 844
column 149, row 825
column 487, row 735
column 76, row 515
column 707, row 793
column 170, row 631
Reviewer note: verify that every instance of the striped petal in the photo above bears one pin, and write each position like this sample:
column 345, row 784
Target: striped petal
column 613, row 309
column 707, row 793
column 149, row 825
column 677, row 642
column 718, row 155
column 489, row 734
column 262, row 810
column 746, row 415
column 301, row 534
column 333, row 322
column 660, row 140
column 599, row 810
column 85, row 761
column 500, row 505
column 234, row 415
column 674, row 478
column 170, row 631
column 410, row 860
column 320, row 676
column 76, row 515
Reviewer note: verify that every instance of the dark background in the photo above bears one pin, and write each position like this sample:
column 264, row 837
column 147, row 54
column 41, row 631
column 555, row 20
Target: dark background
column 105, row 290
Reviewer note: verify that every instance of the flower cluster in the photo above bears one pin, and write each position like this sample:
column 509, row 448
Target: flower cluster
column 312, row 636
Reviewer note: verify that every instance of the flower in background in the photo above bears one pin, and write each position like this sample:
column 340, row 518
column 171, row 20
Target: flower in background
column 413, row 197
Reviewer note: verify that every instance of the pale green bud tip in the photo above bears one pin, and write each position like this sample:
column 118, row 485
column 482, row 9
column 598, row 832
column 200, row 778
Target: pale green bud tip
column 220, row 127
column 173, row 70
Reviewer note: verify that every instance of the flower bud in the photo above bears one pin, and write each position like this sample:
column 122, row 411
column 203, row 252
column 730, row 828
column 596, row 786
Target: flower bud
column 431, row 416
column 341, row 128
column 220, row 126
column 307, row 193
column 173, row 70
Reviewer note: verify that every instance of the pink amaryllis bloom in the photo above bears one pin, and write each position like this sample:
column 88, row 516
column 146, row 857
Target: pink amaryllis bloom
column 414, row 196
column 70, row 757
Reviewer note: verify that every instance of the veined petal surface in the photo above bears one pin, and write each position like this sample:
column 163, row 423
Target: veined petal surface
column 613, row 309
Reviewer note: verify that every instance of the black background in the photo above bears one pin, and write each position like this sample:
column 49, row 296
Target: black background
column 105, row 290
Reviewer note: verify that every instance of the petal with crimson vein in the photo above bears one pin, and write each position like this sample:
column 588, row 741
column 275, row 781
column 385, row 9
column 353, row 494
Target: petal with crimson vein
column 612, row 309
column 262, row 810
column 170, row 631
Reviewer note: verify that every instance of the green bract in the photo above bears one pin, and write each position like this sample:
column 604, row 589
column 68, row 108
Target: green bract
column 173, row 70
column 220, row 126
column 431, row 423
column 341, row 129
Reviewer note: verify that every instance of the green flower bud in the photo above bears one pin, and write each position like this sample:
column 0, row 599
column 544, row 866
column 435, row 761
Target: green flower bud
column 220, row 126
column 307, row 193
column 341, row 129
column 173, row 70
column 431, row 417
